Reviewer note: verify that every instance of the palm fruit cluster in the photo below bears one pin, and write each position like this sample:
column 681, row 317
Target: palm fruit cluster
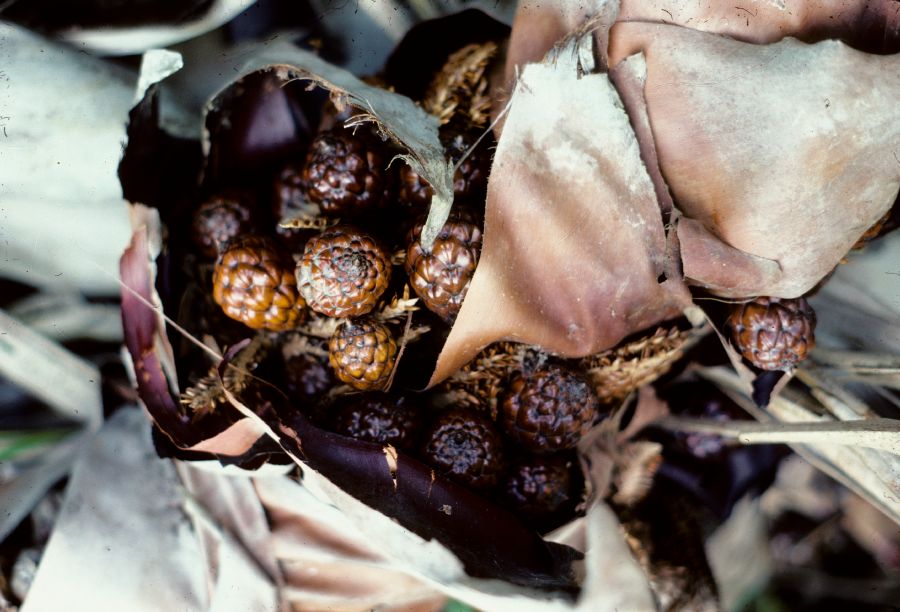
column 325, row 269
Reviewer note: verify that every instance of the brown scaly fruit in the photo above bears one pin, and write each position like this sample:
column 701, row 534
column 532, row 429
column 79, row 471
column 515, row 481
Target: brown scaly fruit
column 253, row 283
column 466, row 447
column 537, row 487
column 288, row 189
column 343, row 272
column 549, row 409
column 773, row 333
column 441, row 275
column 469, row 180
column 220, row 219
column 378, row 418
column 362, row 353
column 345, row 172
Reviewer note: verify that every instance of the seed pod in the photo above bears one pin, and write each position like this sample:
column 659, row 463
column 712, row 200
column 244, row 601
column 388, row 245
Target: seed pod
column 773, row 333
column 254, row 284
column 466, row 447
column 549, row 410
column 343, row 272
column 362, row 353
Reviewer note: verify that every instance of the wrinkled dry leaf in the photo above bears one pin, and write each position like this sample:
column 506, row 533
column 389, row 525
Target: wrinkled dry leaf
column 874, row 25
column 232, row 504
column 63, row 222
column 758, row 220
column 574, row 245
column 326, row 559
column 122, row 512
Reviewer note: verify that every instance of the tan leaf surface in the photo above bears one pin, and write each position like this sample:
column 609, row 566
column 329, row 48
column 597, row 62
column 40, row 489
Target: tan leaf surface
column 574, row 240
column 779, row 161
column 872, row 23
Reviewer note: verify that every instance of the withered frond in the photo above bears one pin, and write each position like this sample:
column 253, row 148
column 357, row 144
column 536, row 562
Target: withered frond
column 481, row 381
column 617, row 372
column 207, row 394
column 460, row 89
column 398, row 307
column 299, row 344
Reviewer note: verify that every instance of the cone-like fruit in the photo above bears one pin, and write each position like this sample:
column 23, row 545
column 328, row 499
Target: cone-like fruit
column 288, row 189
column 362, row 353
column 378, row 418
column 549, row 410
column 253, row 283
column 773, row 333
column 539, row 486
column 345, row 172
column 221, row 219
column 343, row 272
column 441, row 275
column 307, row 378
column 466, row 447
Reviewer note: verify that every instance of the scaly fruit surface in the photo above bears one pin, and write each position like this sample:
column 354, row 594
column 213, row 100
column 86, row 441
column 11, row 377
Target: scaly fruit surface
column 254, row 284
column 343, row 272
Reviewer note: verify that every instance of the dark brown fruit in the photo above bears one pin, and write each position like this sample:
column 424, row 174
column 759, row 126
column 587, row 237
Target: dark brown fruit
column 549, row 410
column 539, row 486
column 254, row 284
column 469, row 180
column 307, row 378
column 378, row 418
column 343, row 272
column 466, row 447
column 362, row 353
column 288, row 189
column 773, row 333
column 441, row 275
column 220, row 219
column 346, row 173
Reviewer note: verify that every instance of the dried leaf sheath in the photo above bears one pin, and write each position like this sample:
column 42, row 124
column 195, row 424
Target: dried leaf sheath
column 574, row 242
column 777, row 160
